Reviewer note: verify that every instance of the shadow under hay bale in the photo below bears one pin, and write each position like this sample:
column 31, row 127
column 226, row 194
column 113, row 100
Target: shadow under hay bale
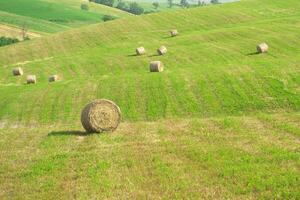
column 132, row 55
column 173, row 33
column 53, row 78
column 31, row 79
column 252, row 54
column 63, row 133
column 162, row 50
column 262, row 48
column 153, row 55
column 156, row 66
column 18, row 71
column 100, row 115
column 140, row 51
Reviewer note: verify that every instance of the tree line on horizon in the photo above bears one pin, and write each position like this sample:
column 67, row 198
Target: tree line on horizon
column 136, row 9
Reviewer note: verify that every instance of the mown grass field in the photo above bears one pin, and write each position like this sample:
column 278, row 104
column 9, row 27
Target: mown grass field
column 219, row 122
column 216, row 158
column 52, row 16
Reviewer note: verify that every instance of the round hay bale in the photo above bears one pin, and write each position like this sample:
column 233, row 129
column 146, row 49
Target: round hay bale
column 18, row 71
column 140, row 51
column 174, row 32
column 100, row 115
column 162, row 50
column 156, row 66
column 53, row 78
column 31, row 79
column 262, row 48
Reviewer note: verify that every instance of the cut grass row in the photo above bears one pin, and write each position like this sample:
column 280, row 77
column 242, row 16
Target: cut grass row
column 208, row 72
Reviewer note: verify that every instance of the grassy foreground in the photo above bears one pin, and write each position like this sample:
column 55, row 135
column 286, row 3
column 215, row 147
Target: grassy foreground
column 253, row 157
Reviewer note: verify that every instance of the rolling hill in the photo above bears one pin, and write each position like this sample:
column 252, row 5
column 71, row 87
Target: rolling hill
column 50, row 16
column 220, row 122
column 209, row 60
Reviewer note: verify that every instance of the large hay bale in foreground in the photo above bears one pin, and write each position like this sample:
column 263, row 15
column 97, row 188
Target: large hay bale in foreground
column 140, row 51
column 31, row 79
column 100, row 115
column 162, row 50
column 53, row 78
column 156, row 66
column 262, row 48
column 174, row 32
column 18, row 71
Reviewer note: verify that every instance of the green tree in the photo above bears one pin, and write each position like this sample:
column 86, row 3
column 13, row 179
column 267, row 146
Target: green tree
column 214, row 1
column 122, row 6
column 136, row 9
column 184, row 3
column 155, row 4
column 105, row 2
column 84, row 6
column 170, row 3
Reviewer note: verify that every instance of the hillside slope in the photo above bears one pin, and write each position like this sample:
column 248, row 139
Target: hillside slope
column 210, row 69
column 220, row 122
column 52, row 16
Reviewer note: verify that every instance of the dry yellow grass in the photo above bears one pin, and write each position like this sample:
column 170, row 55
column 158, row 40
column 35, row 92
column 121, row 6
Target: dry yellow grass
column 14, row 32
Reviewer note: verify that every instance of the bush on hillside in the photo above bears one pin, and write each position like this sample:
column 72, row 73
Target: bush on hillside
column 84, row 6
column 150, row 11
column 108, row 18
column 7, row 41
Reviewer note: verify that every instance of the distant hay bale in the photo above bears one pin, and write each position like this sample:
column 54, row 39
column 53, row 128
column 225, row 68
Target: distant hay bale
column 18, row 71
column 100, row 115
column 31, row 79
column 140, row 51
column 174, row 32
column 156, row 66
column 162, row 50
column 262, row 48
column 53, row 78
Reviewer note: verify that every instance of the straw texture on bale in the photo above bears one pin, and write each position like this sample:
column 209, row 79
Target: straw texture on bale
column 18, row 71
column 140, row 51
column 31, row 79
column 174, row 32
column 262, row 48
column 53, row 78
column 100, row 115
column 162, row 50
column 156, row 66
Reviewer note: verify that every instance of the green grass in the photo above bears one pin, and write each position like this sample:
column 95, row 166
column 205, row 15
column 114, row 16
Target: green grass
column 210, row 69
column 219, row 122
column 215, row 158
column 52, row 15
